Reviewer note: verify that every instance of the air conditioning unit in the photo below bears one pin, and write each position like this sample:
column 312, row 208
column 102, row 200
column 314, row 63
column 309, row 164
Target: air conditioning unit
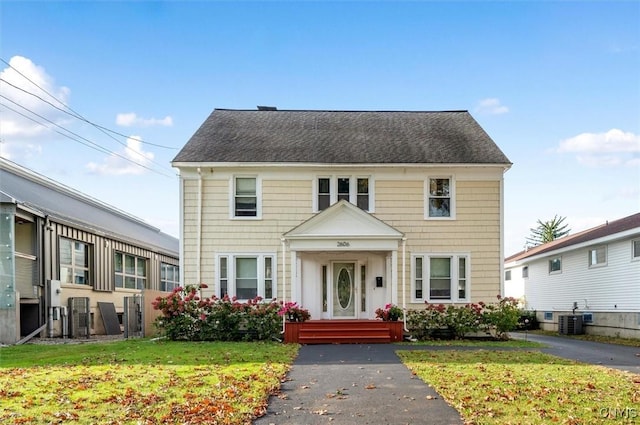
column 570, row 324
column 79, row 317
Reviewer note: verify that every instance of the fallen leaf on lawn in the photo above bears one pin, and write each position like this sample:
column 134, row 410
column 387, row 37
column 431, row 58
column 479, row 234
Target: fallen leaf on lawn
column 370, row 387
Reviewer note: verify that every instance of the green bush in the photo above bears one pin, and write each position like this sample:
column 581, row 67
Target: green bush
column 186, row 316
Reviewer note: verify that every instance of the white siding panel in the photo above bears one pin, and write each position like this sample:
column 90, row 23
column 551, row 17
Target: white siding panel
column 613, row 287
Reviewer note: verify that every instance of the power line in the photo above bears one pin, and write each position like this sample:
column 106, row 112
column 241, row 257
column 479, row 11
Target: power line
column 79, row 117
column 88, row 143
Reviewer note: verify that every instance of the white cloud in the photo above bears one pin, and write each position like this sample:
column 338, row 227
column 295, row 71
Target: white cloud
column 610, row 149
column 132, row 119
column 491, row 106
column 22, row 80
column 124, row 162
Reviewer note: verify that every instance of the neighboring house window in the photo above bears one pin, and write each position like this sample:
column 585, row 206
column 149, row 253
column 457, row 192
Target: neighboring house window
column 169, row 277
column 246, row 197
column 439, row 198
column 598, row 256
column 525, row 271
column 130, row 271
column 507, row 275
column 548, row 315
column 246, row 276
column 635, row 247
column 357, row 190
column 74, row 262
column 440, row 277
column 555, row 265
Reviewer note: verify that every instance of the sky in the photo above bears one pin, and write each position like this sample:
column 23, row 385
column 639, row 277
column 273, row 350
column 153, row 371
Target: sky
column 101, row 96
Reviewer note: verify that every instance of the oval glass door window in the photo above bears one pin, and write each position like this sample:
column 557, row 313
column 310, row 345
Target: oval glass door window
column 345, row 288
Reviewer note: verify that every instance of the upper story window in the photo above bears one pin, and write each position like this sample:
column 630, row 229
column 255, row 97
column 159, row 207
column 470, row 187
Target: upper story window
column 507, row 275
column 439, row 198
column 75, row 264
column 438, row 278
column 598, row 256
column 635, row 249
column 525, row 271
column 246, row 276
column 357, row 190
column 246, row 197
column 130, row 271
column 555, row 265
column 169, row 277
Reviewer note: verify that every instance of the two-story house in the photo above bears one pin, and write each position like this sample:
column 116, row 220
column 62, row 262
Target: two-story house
column 343, row 211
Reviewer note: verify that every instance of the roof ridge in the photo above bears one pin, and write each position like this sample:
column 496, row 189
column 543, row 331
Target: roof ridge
column 345, row 110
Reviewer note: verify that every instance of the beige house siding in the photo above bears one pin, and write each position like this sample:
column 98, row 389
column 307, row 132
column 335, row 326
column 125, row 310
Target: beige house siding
column 287, row 199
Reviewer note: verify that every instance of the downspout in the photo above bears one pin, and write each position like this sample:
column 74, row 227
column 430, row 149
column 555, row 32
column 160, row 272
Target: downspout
column 284, row 280
column 199, row 227
column 404, row 284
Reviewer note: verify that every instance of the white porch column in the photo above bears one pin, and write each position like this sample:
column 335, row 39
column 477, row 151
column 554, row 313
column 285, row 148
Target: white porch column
column 394, row 276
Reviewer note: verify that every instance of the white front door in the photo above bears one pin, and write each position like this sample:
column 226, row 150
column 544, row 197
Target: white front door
column 344, row 298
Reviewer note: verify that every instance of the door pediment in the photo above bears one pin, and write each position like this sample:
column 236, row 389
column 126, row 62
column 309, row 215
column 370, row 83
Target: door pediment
column 343, row 221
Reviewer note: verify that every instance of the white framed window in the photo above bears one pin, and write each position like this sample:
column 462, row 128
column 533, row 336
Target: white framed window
column 440, row 277
column 246, row 276
column 355, row 189
column 130, row 271
column 555, row 265
column 246, row 202
column 525, row 271
column 635, row 249
column 598, row 256
column 548, row 315
column 507, row 275
column 169, row 277
column 74, row 259
column 439, row 198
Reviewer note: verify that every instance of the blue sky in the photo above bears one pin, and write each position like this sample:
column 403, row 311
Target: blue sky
column 555, row 84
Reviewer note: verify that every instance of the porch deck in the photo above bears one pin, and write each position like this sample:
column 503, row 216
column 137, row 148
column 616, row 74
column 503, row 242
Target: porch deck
column 343, row 332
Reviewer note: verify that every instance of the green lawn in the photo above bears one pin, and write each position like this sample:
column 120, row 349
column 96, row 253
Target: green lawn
column 140, row 382
column 527, row 387
column 161, row 382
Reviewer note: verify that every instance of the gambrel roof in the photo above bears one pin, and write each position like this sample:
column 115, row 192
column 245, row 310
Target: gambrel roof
column 340, row 137
column 624, row 227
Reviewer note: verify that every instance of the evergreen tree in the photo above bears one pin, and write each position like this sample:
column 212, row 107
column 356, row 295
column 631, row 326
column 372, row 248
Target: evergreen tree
column 548, row 231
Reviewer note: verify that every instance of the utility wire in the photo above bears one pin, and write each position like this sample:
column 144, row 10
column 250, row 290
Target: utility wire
column 79, row 117
column 88, row 143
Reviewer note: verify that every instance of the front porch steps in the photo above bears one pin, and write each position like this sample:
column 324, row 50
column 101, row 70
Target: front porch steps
column 343, row 332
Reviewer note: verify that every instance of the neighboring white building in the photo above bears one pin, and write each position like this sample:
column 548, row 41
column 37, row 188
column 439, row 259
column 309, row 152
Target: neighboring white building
column 343, row 211
column 595, row 273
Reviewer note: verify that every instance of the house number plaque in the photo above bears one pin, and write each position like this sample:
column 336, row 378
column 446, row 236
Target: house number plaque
column 343, row 244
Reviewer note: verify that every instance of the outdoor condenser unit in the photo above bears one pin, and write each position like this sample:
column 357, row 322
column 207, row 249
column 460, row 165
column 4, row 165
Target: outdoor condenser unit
column 79, row 317
column 570, row 324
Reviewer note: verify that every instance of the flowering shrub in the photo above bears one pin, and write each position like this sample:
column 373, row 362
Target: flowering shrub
column 187, row 316
column 390, row 313
column 451, row 321
column 293, row 312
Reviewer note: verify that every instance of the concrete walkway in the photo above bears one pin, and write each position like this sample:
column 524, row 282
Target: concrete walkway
column 355, row 384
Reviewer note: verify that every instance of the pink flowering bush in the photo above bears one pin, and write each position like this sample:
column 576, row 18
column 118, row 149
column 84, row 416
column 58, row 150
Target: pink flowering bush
column 390, row 313
column 187, row 316
column 439, row 321
column 293, row 312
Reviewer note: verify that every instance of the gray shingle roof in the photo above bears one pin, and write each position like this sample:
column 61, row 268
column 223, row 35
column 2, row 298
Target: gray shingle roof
column 24, row 187
column 341, row 137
